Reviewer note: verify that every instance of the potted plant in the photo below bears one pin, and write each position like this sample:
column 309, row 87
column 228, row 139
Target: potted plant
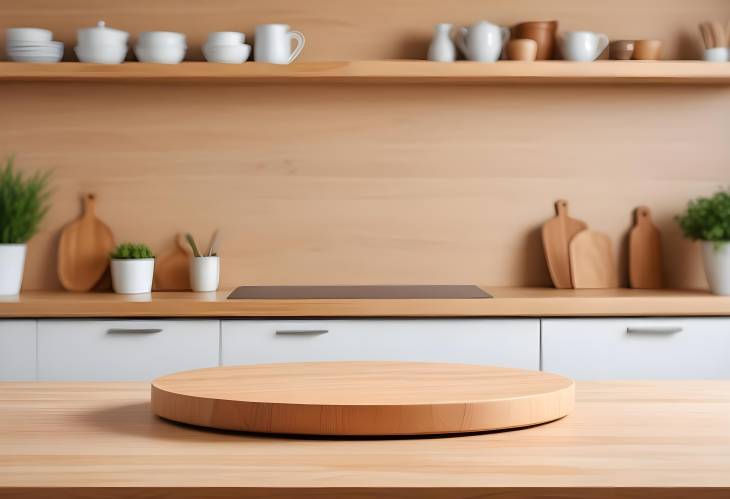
column 708, row 220
column 133, row 267
column 23, row 204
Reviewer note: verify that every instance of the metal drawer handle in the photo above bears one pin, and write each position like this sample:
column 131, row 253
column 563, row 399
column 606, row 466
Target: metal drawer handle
column 133, row 331
column 655, row 330
column 303, row 332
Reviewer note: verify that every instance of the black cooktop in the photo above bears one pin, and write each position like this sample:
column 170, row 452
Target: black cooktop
column 395, row 292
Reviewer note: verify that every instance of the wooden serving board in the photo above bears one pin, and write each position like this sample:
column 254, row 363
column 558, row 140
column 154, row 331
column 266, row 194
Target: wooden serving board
column 645, row 252
column 592, row 265
column 556, row 235
column 362, row 398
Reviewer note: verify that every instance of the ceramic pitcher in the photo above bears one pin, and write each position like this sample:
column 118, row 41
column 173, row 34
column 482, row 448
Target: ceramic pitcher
column 273, row 44
column 442, row 48
column 482, row 42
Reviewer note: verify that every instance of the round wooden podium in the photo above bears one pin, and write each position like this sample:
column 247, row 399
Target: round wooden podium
column 362, row 398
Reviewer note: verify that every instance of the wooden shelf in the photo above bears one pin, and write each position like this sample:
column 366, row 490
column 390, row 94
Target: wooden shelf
column 392, row 72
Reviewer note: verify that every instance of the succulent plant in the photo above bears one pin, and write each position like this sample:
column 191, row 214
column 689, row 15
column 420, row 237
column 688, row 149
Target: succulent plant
column 131, row 251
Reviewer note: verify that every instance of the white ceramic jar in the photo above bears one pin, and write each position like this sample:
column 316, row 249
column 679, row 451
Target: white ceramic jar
column 12, row 262
column 204, row 273
column 716, row 257
column 132, row 276
column 101, row 45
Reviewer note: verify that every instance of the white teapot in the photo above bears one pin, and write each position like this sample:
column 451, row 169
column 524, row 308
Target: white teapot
column 482, row 42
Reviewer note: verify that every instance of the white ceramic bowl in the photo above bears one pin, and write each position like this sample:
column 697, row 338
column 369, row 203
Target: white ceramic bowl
column 226, row 38
column 227, row 54
column 160, row 38
column 101, row 53
column 101, row 35
column 48, row 52
column 717, row 54
column 160, row 54
column 22, row 35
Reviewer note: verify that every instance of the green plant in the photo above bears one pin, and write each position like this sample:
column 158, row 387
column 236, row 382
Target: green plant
column 23, row 203
column 131, row 251
column 707, row 219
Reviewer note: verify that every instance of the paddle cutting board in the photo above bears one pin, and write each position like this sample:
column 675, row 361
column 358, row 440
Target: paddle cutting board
column 645, row 252
column 83, row 249
column 172, row 269
column 592, row 265
column 556, row 235
column 362, row 398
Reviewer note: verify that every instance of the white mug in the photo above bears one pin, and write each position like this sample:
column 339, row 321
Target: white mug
column 583, row 46
column 482, row 42
column 273, row 44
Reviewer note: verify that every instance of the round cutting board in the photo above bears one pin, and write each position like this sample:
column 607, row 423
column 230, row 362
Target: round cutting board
column 362, row 398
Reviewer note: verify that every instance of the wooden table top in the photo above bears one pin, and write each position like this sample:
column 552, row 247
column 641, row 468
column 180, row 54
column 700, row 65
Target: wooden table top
column 662, row 437
column 507, row 302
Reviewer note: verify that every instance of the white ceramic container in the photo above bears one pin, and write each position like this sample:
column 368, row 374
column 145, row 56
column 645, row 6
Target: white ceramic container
column 482, row 42
column 273, row 44
column 160, row 38
column 204, row 273
column 442, row 48
column 101, row 35
column 717, row 54
column 132, row 276
column 716, row 257
column 12, row 261
column 101, row 53
column 226, row 38
column 27, row 35
column 227, row 54
column 160, row 54
column 583, row 46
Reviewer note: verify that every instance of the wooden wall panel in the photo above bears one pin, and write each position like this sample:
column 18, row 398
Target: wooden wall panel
column 361, row 184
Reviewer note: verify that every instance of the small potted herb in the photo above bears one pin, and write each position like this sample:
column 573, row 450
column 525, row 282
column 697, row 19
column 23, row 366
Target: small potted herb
column 23, row 204
column 133, row 266
column 708, row 220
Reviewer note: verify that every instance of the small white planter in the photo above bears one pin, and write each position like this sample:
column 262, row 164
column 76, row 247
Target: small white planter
column 12, row 261
column 133, row 276
column 204, row 273
column 716, row 256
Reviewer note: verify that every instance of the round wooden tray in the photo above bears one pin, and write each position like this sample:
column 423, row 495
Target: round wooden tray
column 362, row 398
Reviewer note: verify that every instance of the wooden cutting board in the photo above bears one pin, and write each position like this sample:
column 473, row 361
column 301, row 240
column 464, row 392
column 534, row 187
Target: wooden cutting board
column 592, row 265
column 556, row 235
column 83, row 249
column 645, row 252
column 362, row 398
column 172, row 269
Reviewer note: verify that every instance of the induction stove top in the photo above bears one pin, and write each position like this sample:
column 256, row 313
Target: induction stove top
column 388, row 292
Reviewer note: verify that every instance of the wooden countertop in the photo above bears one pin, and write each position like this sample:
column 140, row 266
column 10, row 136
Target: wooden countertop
column 656, row 439
column 515, row 302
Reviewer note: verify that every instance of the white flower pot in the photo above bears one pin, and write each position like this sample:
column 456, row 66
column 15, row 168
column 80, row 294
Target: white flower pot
column 204, row 273
column 133, row 276
column 716, row 256
column 12, row 261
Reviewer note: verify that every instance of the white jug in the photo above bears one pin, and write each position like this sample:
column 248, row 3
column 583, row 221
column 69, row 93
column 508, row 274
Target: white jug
column 273, row 44
column 442, row 48
column 483, row 41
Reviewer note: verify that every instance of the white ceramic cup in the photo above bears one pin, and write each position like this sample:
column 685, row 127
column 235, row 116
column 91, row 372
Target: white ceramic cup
column 583, row 46
column 226, row 38
column 204, row 273
column 717, row 54
column 132, row 276
column 273, row 44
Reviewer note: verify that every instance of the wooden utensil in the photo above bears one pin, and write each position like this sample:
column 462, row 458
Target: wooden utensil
column 556, row 235
column 645, row 252
column 172, row 269
column 213, row 248
column 592, row 265
column 83, row 249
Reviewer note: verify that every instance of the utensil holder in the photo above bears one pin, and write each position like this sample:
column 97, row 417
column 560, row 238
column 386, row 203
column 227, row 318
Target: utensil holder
column 204, row 273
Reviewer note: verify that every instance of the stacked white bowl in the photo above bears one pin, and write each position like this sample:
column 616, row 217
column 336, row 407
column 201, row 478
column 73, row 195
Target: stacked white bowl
column 101, row 45
column 227, row 47
column 161, row 47
column 32, row 45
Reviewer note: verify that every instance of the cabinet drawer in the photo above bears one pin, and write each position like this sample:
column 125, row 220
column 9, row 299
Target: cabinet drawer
column 17, row 350
column 637, row 348
column 503, row 342
column 110, row 350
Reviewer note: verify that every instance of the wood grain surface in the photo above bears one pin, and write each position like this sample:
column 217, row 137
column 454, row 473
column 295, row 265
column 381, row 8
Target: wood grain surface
column 645, row 252
column 592, row 262
column 507, row 302
column 668, row 439
column 556, row 235
column 362, row 398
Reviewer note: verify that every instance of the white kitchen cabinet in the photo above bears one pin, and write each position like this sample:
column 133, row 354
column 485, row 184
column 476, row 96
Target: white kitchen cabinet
column 642, row 348
column 124, row 350
column 17, row 350
column 501, row 342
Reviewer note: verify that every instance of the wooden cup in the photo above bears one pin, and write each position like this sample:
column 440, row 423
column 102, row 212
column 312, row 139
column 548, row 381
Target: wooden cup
column 647, row 50
column 523, row 49
column 543, row 32
column 621, row 50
